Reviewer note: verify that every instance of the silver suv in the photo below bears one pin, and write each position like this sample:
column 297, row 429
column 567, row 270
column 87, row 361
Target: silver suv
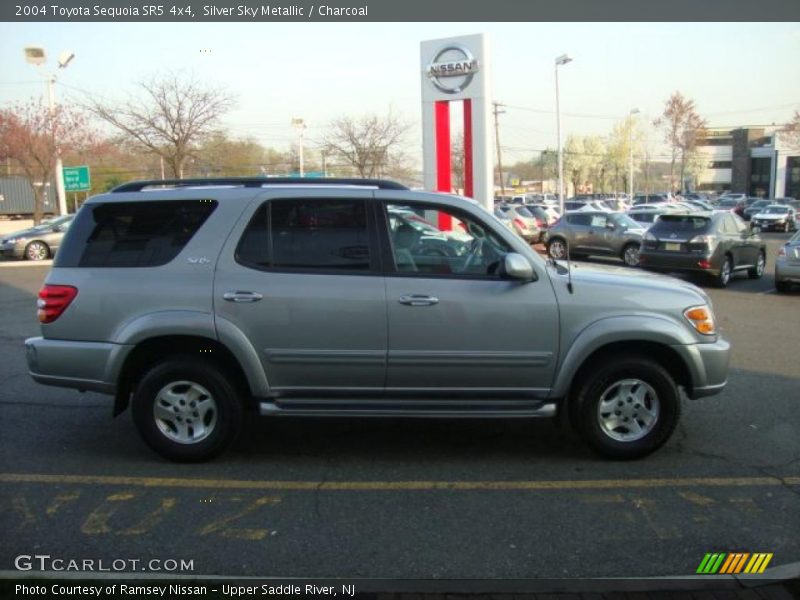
column 196, row 302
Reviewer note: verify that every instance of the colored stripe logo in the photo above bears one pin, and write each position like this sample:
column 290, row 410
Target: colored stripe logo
column 722, row 563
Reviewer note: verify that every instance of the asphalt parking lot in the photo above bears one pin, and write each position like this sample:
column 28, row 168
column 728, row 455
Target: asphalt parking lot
column 409, row 498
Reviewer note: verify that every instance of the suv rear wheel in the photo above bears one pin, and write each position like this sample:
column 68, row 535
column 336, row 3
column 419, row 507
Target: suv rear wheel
column 626, row 407
column 186, row 410
column 757, row 271
column 725, row 271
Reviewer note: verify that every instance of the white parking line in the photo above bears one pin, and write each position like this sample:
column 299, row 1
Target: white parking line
column 25, row 263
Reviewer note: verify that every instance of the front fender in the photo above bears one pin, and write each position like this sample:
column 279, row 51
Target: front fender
column 626, row 328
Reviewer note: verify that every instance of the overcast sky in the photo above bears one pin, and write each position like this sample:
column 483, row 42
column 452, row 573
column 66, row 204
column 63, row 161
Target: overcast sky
column 737, row 73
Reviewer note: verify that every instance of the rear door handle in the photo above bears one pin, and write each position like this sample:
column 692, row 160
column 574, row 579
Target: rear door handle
column 418, row 300
column 240, row 296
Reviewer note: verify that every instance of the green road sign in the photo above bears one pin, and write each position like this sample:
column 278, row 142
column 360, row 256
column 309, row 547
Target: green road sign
column 76, row 179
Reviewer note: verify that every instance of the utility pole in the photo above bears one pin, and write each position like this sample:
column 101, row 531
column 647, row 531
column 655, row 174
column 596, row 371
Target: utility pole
column 497, row 113
column 300, row 125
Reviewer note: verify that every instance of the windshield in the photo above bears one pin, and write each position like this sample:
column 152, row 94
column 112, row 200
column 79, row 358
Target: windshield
column 64, row 220
column 524, row 212
column 777, row 210
column 625, row 221
column 729, row 203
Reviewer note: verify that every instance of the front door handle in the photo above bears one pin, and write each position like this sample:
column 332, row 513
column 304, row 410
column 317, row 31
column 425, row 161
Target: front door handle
column 418, row 300
column 240, row 296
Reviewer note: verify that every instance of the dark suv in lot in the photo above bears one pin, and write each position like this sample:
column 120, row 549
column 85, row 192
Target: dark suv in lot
column 716, row 245
column 200, row 302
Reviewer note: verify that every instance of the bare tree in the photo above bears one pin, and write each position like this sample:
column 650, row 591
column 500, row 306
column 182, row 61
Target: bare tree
column 366, row 143
column 32, row 137
column 790, row 133
column 682, row 127
column 173, row 115
column 457, row 162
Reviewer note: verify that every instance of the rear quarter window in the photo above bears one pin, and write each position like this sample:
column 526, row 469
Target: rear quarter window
column 132, row 234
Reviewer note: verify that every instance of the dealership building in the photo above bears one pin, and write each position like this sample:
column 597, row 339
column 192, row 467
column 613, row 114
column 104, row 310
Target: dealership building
column 756, row 160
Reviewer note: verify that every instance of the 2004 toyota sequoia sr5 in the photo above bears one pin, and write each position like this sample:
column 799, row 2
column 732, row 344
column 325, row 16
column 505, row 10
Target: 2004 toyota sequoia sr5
column 197, row 300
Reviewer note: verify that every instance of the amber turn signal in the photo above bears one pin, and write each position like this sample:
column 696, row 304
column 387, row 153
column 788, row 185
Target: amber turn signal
column 701, row 319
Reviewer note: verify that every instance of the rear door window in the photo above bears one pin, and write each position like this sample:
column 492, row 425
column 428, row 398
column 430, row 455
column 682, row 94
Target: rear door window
column 318, row 234
column 132, row 234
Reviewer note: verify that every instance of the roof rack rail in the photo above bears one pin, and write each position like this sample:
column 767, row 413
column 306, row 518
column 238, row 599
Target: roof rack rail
column 255, row 182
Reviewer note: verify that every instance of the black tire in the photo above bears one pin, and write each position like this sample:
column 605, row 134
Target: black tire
column 604, row 377
column 553, row 244
column 783, row 287
column 37, row 250
column 227, row 412
column 758, row 271
column 627, row 254
column 722, row 279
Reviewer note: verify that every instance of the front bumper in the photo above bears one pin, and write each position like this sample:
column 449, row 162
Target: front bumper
column 768, row 225
column 708, row 366
column 12, row 250
column 84, row 366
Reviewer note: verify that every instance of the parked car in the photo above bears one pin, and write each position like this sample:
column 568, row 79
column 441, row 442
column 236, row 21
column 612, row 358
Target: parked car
column 787, row 264
column 700, row 203
column 504, row 217
column 198, row 302
column 547, row 213
column 651, row 198
column 36, row 243
column 776, row 217
column 599, row 233
column 715, row 245
column 755, row 207
column 646, row 215
column 524, row 221
column 735, row 203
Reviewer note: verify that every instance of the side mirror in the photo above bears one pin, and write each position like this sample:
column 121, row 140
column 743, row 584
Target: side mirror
column 516, row 266
column 610, row 225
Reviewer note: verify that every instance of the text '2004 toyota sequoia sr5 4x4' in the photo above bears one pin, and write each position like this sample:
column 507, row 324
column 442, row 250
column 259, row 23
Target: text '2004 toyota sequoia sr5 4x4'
column 196, row 301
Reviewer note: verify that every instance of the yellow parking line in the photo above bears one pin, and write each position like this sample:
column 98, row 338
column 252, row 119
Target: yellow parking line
column 554, row 485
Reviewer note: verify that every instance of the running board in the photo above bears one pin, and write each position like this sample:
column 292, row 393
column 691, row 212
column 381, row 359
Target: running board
column 315, row 407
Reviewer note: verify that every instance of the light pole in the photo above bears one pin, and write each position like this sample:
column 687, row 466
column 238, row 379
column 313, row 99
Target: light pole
column 560, row 60
column 300, row 125
column 634, row 111
column 37, row 56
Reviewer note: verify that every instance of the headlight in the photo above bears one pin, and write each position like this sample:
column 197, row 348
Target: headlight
column 649, row 237
column 701, row 318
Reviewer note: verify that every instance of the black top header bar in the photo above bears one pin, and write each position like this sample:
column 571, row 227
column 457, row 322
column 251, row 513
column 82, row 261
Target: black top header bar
column 397, row 10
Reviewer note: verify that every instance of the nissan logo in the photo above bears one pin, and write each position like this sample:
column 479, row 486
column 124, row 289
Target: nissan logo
column 452, row 69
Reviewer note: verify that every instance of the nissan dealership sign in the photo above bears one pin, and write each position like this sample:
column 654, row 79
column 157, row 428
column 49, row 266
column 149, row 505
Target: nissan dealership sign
column 453, row 68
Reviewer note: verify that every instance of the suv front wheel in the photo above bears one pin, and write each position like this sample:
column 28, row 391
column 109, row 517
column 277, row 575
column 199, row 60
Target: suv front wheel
column 186, row 410
column 626, row 407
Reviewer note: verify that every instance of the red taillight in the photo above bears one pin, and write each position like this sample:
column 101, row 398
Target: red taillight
column 519, row 223
column 704, row 264
column 54, row 300
column 539, row 223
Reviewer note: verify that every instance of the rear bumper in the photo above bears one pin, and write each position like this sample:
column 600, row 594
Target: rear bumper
column 92, row 366
column 787, row 272
column 708, row 366
column 661, row 260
